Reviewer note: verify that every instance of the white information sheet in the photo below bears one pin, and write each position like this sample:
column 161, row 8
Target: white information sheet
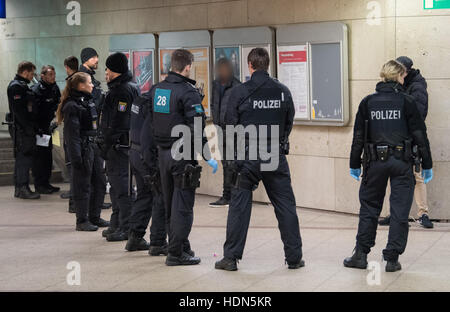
column 293, row 72
column 43, row 140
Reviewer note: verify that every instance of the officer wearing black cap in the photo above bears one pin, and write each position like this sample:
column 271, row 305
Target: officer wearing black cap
column 387, row 126
column 114, row 142
column 47, row 96
column 148, row 203
column 23, row 128
column 89, row 63
column 262, row 101
column 80, row 117
column 175, row 102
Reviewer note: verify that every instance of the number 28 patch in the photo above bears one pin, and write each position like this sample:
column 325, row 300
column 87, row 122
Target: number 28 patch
column 161, row 101
column 122, row 107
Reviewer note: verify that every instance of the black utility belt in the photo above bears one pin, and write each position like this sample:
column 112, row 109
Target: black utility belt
column 383, row 152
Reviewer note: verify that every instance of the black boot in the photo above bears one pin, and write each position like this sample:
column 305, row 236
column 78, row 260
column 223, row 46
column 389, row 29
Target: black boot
column 26, row 193
column 184, row 259
column 358, row 260
column 106, row 205
column 100, row 223
column 226, row 264
column 135, row 242
column 393, row 266
column 220, row 203
column 86, row 227
column 108, row 231
column 54, row 189
column 16, row 191
column 65, row 195
column 158, row 250
column 72, row 207
column 42, row 189
column 117, row 236
column 296, row 265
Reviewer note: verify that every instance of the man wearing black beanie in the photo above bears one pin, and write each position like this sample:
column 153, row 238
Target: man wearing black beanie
column 115, row 127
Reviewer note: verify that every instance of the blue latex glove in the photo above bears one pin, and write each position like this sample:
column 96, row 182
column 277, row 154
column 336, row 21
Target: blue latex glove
column 427, row 175
column 355, row 173
column 213, row 163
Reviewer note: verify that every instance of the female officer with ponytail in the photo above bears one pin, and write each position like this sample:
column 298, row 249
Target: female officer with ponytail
column 77, row 111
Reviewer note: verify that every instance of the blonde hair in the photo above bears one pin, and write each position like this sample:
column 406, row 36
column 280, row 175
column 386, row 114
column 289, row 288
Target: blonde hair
column 392, row 70
column 72, row 84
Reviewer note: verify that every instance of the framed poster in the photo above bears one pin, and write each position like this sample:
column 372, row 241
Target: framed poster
column 200, row 73
column 293, row 72
column 143, row 69
column 244, row 65
column 231, row 53
column 164, row 62
column 127, row 54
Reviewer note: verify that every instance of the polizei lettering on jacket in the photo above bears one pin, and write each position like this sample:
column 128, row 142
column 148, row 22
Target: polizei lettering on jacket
column 266, row 104
column 387, row 114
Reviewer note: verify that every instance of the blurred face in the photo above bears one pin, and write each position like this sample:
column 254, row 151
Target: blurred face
column 87, row 86
column 92, row 63
column 49, row 76
column 110, row 75
column 401, row 78
column 28, row 74
column 224, row 73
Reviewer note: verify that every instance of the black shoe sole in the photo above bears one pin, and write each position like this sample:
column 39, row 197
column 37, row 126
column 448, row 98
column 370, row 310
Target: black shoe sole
column 21, row 197
column 359, row 266
column 116, row 240
column 299, row 265
column 134, row 248
column 230, row 269
column 83, row 230
column 393, row 269
column 178, row 263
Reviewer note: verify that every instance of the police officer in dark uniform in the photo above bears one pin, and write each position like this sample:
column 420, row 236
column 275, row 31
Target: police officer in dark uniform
column 23, row 128
column 47, row 96
column 262, row 101
column 79, row 114
column 175, row 102
column 387, row 127
column 89, row 63
column 114, row 143
column 148, row 203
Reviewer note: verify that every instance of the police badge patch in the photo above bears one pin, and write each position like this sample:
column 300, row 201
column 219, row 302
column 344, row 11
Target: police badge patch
column 122, row 106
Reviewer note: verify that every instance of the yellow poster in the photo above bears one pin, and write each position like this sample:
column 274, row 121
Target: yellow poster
column 200, row 73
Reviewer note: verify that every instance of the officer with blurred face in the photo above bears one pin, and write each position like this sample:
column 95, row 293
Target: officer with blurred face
column 263, row 103
column 148, row 203
column 23, row 128
column 387, row 126
column 175, row 102
column 47, row 96
column 222, row 87
column 114, row 142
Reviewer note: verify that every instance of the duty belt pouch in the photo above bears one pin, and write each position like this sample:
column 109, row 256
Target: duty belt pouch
column 399, row 152
column 408, row 151
column 383, row 153
column 191, row 177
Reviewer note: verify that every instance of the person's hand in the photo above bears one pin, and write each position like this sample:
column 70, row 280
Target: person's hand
column 213, row 164
column 355, row 173
column 427, row 175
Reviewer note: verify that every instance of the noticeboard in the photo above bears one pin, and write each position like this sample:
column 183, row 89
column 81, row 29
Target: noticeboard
column 313, row 63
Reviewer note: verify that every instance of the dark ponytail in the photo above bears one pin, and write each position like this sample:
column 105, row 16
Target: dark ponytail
column 72, row 84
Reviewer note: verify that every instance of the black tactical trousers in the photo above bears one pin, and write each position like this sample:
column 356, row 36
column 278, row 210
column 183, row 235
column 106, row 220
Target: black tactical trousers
column 98, row 190
column 147, row 205
column 226, row 194
column 84, row 186
column 42, row 165
column 179, row 203
column 117, row 169
column 371, row 196
column 25, row 144
column 279, row 190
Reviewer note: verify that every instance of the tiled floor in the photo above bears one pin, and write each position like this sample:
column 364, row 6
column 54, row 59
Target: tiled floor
column 38, row 240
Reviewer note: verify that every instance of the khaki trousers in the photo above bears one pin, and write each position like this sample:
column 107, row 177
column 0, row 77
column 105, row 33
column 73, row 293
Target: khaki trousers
column 420, row 194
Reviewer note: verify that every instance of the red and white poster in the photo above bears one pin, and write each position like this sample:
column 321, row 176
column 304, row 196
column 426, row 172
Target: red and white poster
column 293, row 72
column 143, row 69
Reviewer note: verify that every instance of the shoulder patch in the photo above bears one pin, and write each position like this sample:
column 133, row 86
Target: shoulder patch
column 198, row 108
column 122, row 106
